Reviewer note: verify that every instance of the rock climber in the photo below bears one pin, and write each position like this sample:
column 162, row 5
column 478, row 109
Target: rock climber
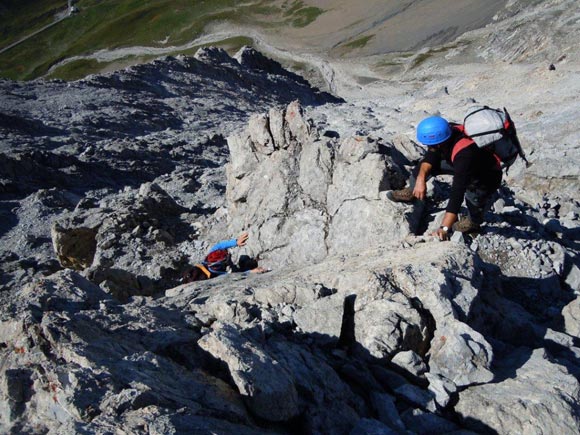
column 476, row 174
column 219, row 262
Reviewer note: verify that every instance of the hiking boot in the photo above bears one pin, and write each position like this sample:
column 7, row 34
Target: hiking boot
column 403, row 195
column 466, row 225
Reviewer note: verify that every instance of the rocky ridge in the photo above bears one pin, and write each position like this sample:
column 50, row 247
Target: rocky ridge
column 68, row 145
column 365, row 325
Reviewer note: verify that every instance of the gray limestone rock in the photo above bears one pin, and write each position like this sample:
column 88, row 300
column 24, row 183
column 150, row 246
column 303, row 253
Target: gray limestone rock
column 85, row 363
column 367, row 426
column 411, row 362
column 457, row 351
column 384, row 405
column 539, row 396
column 385, row 326
column 267, row 387
column 573, row 278
column 417, row 397
column 571, row 315
column 128, row 168
column 115, row 243
column 423, row 422
column 442, row 388
column 308, row 197
column 461, row 354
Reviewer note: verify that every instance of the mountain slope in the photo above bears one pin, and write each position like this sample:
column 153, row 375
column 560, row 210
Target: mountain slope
column 160, row 27
column 113, row 186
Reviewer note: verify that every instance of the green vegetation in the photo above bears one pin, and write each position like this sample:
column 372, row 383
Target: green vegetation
column 109, row 24
column 306, row 16
column 301, row 16
column 392, row 62
column 422, row 57
column 360, row 42
column 76, row 69
column 346, row 48
column 19, row 18
column 393, row 59
column 79, row 69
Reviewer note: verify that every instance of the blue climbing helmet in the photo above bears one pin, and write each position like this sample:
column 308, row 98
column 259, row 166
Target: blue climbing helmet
column 433, row 130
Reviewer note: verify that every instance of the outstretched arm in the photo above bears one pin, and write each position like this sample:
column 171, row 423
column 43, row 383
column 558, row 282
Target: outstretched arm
column 448, row 220
column 463, row 166
column 232, row 243
column 224, row 244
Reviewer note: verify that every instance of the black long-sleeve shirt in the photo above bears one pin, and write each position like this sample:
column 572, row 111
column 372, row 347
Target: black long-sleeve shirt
column 472, row 167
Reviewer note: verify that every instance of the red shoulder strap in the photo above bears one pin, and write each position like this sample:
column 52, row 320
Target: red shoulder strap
column 464, row 143
column 460, row 145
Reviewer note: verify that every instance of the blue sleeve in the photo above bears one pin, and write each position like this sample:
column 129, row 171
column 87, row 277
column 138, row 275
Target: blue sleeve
column 224, row 244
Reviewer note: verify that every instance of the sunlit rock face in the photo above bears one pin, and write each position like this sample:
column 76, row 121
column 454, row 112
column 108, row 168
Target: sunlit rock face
column 112, row 186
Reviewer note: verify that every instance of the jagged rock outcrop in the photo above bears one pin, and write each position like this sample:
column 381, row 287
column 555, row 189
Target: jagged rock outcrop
column 395, row 333
column 134, row 245
column 247, row 324
column 80, row 367
column 267, row 386
column 524, row 401
column 361, row 327
column 306, row 196
column 87, row 140
column 312, row 348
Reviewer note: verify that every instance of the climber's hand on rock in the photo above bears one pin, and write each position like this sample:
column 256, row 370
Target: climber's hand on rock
column 441, row 234
column 243, row 239
column 420, row 189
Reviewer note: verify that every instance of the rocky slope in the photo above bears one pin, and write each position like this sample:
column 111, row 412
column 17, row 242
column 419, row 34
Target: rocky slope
column 111, row 186
column 68, row 145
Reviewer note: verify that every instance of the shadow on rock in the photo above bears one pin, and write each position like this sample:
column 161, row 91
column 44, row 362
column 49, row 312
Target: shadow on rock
column 171, row 363
column 31, row 171
column 322, row 384
column 8, row 219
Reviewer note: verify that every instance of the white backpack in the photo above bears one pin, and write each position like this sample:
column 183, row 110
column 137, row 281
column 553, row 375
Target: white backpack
column 493, row 129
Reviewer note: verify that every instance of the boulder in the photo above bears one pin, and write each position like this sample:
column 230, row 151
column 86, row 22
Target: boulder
column 75, row 247
column 571, row 315
column 306, row 196
column 266, row 386
column 539, row 395
column 122, row 244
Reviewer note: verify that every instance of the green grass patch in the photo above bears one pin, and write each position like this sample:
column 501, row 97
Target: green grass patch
column 429, row 53
column 291, row 9
column 107, row 24
column 81, row 68
column 304, row 17
column 360, row 42
column 421, row 58
column 300, row 15
column 77, row 69
column 20, row 18
column 393, row 59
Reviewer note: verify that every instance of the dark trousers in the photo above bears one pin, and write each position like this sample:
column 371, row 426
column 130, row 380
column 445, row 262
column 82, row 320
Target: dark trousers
column 478, row 194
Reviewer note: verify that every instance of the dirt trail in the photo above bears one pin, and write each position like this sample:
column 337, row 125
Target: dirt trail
column 60, row 18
